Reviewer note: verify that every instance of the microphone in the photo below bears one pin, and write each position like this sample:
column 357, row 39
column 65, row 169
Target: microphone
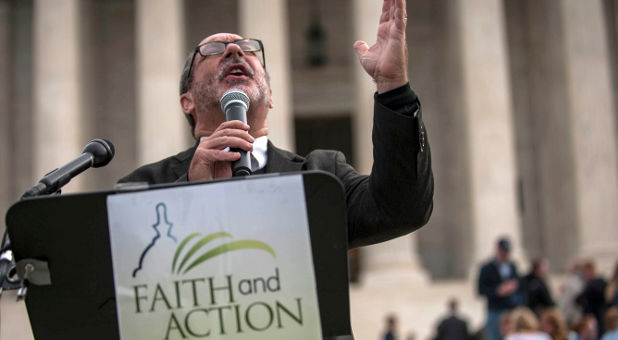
column 235, row 104
column 97, row 153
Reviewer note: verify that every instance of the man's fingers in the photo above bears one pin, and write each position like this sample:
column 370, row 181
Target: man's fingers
column 222, row 142
column 224, row 156
column 400, row 10
column 233, row 124
column 205, row 163
column 208, row 157
column 210, row 161
column 361, row 47
column 386, row 11
column 401, row 15
column 401, row 4
column 232, row 133
column 401, row 20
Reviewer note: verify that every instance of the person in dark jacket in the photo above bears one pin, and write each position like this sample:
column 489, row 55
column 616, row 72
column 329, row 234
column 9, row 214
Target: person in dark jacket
column 537, row 294
column 391, row 328
column 592, row 298
column 396, row 198
column 452, row 327
column 499, row 282
column 611, row 291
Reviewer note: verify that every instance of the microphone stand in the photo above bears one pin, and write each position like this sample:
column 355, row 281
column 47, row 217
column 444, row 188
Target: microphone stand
column 97, row 153
column 8, row 281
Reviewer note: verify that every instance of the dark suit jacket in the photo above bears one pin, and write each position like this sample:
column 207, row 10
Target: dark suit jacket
column 452, row 328
column 592, row 300
column 536, row 293
column 389, row 336
column 490, row 279
column 395, row 199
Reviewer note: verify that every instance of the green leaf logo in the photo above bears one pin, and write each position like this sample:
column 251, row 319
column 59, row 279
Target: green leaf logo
column 222, row 249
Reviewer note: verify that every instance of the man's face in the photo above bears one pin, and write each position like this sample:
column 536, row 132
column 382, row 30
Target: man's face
column 503, row 254
column 543, row 268
column 588, row 272
column 215, row 74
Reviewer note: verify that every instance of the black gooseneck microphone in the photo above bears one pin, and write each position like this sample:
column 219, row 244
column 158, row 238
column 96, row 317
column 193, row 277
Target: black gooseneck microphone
column 97, row 153
column 235, row 104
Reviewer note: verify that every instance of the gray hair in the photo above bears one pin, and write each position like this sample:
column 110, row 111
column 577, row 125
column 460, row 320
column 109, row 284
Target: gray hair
column 186, row 81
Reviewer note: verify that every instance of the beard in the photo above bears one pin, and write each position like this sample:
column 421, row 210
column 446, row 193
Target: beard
column 207, row 93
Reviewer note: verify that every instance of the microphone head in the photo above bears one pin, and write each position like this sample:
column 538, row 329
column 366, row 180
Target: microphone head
column 102, row 151
column 234, row 96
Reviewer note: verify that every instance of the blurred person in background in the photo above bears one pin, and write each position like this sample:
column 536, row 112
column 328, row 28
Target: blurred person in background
column 391, row 328
column 585, row 329
column 452, row 327
column 499, row 281
column 572, row 287
column 505, row 324
column 554, row 325
column 592, row 298
column 524, row 325
column 611, row 292
column 611, row 324
column 537, row 294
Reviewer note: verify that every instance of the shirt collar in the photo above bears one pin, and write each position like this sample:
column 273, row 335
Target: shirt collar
column 260, row 148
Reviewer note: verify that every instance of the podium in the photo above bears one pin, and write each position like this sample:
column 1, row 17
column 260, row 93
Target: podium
column 62, row 245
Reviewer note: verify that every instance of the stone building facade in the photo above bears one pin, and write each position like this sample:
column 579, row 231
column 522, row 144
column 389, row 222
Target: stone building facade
column 519, row 98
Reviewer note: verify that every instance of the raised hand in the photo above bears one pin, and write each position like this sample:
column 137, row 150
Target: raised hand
column 386, row 60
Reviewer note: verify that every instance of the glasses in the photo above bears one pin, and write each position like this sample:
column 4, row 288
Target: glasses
column 252, row 46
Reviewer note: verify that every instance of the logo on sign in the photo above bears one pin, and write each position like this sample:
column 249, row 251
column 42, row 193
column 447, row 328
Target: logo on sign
column 201, row 306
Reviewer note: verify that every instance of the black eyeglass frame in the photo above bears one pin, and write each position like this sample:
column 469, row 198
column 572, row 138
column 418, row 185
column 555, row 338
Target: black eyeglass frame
column 225, row 43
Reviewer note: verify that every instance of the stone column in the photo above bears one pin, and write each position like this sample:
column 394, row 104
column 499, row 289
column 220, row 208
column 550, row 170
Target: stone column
column 611, row 18
column 110, row 85
column 395, row 261
column 434, row 71
column 591, row 113
column 22, row 98
column 366, row 16
column 5, row 127
column 57, row 100
column 267, row 20
column 161, row 125
column 486, row 103
column 544, row 142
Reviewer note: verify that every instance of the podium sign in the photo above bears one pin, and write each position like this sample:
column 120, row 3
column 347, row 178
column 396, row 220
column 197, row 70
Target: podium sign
column 222, row 260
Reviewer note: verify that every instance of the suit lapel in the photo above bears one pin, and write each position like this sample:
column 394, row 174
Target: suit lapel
column 282, row 161
column 184, row 161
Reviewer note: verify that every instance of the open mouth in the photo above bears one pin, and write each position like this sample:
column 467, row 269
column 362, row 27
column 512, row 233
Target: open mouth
column 237, row 71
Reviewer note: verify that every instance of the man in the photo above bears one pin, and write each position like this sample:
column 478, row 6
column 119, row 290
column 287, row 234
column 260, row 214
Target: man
column 394, row 200
column 391, row 328
column 592, row 298
column 570, row 289
column 452, row 327
column 535, row 289
column 498, row 282
column 611, row 324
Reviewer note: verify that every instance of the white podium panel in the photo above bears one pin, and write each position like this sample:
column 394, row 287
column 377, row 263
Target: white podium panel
column 229, row 260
